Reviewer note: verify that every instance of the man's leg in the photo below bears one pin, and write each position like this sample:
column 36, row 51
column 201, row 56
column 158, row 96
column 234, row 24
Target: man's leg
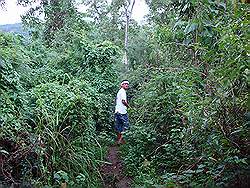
column 125, row 125
column 118, row 127
column 119, row 137
column 125, row 122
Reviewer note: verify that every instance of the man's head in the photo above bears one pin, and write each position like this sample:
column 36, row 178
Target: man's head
column 125, row 84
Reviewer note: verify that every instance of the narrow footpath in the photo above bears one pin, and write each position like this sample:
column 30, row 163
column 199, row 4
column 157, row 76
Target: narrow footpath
column 112, row 172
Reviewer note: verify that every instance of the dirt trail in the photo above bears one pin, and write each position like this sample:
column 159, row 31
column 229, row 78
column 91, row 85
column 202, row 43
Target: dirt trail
column 112, row 174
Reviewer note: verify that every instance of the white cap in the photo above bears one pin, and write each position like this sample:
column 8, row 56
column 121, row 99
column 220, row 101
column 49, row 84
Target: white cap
column 124, row 82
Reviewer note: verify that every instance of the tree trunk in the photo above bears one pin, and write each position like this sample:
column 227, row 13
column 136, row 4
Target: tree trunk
column 128, row 13
column 126, row 41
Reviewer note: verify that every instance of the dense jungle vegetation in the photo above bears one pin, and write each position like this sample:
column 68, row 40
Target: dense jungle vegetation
column 188, row 65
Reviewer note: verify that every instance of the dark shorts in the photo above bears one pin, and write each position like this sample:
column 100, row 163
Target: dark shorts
column 121, row 122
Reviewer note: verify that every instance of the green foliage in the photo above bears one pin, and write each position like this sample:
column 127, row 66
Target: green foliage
column 52, row 103
column 189, row 78
column 190, row 98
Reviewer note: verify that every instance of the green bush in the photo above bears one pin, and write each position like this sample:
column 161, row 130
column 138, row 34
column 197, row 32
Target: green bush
column 52, row 104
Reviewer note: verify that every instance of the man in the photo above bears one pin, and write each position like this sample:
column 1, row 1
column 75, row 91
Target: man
column 121, row 116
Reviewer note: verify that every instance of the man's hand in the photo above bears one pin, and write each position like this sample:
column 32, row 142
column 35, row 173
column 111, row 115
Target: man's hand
column 125, row 103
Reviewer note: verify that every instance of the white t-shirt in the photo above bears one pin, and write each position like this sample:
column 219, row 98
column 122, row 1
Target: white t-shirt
column 120, row 107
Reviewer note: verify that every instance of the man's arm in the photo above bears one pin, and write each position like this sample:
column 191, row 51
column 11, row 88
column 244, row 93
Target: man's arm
column 125, row 103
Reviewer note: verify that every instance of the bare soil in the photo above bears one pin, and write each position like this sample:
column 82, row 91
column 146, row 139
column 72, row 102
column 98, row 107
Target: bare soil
column 112, row 171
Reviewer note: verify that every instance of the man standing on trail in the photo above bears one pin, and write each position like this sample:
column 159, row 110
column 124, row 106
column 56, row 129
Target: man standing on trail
column 121, row 115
